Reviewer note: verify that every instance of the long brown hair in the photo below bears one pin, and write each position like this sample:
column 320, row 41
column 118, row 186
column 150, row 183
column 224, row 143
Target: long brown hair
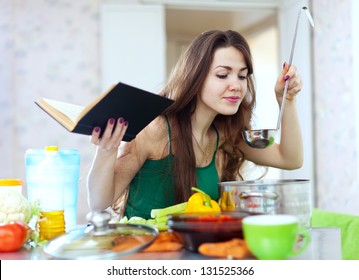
column 184, row 85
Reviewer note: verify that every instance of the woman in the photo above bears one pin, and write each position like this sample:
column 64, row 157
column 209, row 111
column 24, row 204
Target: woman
column 197, row 141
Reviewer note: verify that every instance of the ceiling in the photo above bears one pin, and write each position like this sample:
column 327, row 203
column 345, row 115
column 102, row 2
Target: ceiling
column 218, row 4
column 189, row 18
column 190, row 23
column 192, row 17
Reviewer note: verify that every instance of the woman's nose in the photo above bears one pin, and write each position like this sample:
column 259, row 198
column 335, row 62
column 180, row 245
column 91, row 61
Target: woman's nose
column 234, row 86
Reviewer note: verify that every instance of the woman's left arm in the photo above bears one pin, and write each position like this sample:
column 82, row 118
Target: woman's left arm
column 288, row 154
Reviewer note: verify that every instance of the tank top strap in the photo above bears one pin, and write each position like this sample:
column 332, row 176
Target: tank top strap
column 169, row 136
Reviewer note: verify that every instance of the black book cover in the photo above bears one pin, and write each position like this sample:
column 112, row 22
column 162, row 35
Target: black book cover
column 137, row 106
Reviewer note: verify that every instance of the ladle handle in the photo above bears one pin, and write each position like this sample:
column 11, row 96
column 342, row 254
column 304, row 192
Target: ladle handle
column 290, row 63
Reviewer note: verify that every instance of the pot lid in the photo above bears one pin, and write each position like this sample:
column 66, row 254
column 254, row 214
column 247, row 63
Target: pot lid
column 101, row 239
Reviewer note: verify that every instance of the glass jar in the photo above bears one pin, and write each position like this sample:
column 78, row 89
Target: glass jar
column 11, row 184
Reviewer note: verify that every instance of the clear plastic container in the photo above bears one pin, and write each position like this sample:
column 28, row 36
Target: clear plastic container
column 46, row 184
column 71, row 161
column 71, row 158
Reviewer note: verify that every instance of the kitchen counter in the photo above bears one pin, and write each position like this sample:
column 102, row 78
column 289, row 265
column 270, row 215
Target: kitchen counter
column 325, row 245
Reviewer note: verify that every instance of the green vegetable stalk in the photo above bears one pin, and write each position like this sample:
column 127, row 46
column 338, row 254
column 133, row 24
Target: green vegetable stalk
column 159, row 217
column 174, row 209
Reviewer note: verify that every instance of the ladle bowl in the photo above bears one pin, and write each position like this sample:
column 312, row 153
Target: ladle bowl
column 259, row 138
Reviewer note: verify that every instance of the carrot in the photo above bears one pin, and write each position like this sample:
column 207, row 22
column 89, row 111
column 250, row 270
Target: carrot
column 165, row 241
column 235, row 248
column 166, row 246
column 165, row 236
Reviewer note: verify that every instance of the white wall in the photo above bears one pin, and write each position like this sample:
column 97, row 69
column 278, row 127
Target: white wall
column 355, row 75
column 133, row 45
column 335, row 64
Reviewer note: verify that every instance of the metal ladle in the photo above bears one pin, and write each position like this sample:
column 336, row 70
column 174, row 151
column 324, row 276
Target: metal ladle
column 262, row 138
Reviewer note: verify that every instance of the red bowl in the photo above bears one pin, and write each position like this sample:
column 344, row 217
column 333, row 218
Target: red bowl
column 196, row 228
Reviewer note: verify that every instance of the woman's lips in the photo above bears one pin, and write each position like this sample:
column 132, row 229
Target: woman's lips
column 232, row 99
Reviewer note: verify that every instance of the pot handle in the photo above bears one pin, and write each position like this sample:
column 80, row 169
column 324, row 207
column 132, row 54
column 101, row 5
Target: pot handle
column 266, row 194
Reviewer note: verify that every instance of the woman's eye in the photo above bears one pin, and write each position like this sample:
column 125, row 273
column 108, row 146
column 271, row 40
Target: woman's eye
column 222, row 76
column 241, row 77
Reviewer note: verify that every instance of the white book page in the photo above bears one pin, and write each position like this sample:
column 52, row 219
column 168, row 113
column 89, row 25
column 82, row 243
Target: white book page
column 70, row 110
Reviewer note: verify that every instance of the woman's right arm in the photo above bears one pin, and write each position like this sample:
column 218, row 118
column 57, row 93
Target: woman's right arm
column 115, row 163
column 100, row 180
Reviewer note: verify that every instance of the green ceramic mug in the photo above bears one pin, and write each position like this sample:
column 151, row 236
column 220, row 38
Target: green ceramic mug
column 274, row 237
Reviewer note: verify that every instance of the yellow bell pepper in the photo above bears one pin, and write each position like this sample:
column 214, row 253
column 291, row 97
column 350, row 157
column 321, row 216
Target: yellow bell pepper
column 201, row 202
column 226, row 202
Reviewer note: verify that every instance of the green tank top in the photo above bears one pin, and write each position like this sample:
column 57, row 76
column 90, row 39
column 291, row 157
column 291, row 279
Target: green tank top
column 152, row 187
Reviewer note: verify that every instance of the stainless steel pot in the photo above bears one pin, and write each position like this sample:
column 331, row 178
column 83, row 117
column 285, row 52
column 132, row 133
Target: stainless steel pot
column 268, row 196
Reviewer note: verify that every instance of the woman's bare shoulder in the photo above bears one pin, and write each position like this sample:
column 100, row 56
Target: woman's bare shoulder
column 153, row 138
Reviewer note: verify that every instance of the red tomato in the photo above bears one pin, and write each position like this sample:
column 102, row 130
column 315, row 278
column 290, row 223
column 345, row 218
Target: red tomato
column 12, row 236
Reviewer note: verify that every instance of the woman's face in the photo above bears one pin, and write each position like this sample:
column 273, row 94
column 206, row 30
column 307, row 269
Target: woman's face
column 226, row 83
